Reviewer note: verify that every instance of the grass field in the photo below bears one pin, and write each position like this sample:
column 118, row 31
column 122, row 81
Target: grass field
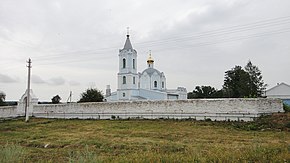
column 52, row 140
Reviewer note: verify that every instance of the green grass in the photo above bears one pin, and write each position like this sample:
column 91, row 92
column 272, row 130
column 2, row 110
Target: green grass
column 52, row 140
column 11, row 153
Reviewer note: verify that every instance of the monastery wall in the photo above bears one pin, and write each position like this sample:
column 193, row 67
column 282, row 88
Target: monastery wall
column 200, row 109
column 8, row 111
column 215, row 109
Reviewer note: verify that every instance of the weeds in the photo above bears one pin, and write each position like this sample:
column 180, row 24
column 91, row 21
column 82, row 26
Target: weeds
column 77, row 141
column 286, row 108
column 11, row 153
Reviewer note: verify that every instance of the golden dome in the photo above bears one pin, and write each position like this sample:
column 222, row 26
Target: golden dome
column 150, row 59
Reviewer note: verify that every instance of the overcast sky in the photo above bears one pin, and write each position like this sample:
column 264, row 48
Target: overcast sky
column 74, row 44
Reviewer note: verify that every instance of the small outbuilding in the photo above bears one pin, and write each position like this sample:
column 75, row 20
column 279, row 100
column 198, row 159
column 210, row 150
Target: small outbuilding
column 281, row 91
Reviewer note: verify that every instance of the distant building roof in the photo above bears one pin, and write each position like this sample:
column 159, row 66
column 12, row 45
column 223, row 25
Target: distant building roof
column 281, row 90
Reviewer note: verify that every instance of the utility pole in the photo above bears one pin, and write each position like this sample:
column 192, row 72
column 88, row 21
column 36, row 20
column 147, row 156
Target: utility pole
column 28, row 91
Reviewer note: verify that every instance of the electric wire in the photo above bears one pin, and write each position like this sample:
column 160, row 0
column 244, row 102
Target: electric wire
column 212, row 37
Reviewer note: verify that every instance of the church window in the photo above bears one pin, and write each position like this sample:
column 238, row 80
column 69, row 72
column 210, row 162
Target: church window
column 133, row 63
column 124, row 63
column 124, row 79
column 134, row 80
column 162, row 84
column 124, row 94
column 155, row 84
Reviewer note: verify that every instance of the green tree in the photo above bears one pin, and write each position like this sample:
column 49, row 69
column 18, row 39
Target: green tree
column 236, row 83
column 219, row 94
column 256, row 83
column 56, row 99
column 190, row 95
column 91, row 95
column 202, row 92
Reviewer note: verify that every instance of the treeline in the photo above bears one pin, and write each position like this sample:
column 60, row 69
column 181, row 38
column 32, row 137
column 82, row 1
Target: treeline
column 90, row 95
column 239, row 82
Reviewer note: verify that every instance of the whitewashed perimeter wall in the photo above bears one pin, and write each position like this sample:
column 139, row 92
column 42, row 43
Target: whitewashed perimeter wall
column 215, row 109
column 8, row 111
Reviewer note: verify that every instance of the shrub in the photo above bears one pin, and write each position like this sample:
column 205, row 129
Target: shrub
column 207, row 119
column 286, row 107
column 91, row 95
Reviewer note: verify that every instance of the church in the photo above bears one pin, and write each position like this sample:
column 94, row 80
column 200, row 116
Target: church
column 150, row 84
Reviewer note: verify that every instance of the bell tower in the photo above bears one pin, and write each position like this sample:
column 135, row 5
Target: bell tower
column 127, row 75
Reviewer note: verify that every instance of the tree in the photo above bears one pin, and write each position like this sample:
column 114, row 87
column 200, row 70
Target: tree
column 91, row 95
column 236, row 83
column 56, row 99
column 256, row 83
column 218, row 94
column 202, row 92
column 190, row 95
column 2, row 98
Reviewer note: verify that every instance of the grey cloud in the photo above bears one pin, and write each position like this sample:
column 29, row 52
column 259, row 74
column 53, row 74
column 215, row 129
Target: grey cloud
column 74, row 83
column 52, row 81
column 78, row 40
column 7, row 79
column 37, row 79
column 56, row 81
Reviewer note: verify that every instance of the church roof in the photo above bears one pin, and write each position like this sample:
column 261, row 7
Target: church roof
column 279, row 89
column 150, row 71
column 128, row 44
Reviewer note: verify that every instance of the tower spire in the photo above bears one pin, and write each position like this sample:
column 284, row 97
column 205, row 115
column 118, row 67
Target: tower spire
column 128, row 30
column 128, row 44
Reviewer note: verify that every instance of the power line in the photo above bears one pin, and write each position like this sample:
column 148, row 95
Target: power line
column 202, row 39
column 197, row 44
column 208, row 34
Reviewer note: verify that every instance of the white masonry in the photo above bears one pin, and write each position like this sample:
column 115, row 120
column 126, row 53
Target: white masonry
column 148, row 85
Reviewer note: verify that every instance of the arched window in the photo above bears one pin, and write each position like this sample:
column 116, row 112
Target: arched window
column 124, row 79
column 124, row 63
column 155, row 84
column 133, row 63
column 134, row 80
column 162, row 84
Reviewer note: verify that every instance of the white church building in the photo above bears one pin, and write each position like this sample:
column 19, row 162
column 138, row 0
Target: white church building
column 133, row 85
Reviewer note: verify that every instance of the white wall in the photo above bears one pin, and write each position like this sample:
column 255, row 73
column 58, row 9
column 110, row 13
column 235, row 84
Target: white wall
column 216, row 109
column 8, row 111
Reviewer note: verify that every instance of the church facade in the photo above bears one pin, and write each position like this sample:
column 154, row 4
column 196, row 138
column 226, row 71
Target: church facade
column 133, row 85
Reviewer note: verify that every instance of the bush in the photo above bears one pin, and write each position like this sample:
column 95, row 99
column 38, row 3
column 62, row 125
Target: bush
column 91, row 95
column 208, row 120
column 286, row 108
column 287, row 125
